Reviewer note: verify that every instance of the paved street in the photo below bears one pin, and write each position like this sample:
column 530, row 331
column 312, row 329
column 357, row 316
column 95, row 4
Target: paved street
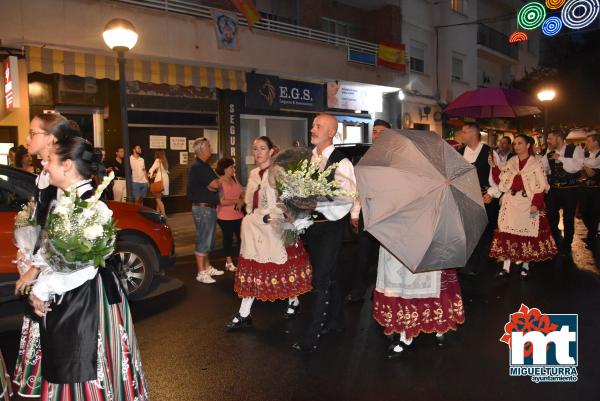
column 188, row 355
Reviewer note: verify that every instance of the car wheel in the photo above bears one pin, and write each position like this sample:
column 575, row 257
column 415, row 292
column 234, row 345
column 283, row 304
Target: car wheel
column 138, row 263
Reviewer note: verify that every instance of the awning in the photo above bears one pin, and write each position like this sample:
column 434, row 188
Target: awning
column 54, row 61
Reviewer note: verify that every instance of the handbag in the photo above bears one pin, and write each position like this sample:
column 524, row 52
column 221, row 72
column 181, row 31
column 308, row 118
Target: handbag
column 156, row 187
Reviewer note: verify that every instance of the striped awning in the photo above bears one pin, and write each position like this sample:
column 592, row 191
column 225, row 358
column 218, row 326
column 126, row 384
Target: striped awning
column 54, row 61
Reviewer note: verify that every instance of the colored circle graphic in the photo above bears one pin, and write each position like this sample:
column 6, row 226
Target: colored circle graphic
column 555, row 4
column 577, row 14
column 518, row 37
column 552, row 26
column 531, row 15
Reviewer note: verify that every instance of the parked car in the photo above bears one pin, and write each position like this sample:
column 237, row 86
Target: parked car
column 144, row 244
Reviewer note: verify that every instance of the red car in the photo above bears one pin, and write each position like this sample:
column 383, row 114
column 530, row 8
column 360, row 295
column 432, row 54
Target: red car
column 144, row 242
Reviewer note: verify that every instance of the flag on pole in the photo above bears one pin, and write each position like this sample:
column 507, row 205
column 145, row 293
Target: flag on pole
column 391, row 55
column 249, row 10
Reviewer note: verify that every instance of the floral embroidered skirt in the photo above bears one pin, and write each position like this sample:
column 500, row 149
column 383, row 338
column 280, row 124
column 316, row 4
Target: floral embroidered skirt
column 28, row 369
column 416, row 315
column 5, row 388
column 519, row 248
column 271, row 281
column 120, row 374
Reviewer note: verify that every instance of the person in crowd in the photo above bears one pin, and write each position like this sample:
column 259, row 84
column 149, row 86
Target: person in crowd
column 12, row 153
column 480, row 155
column 88, row 341
column 203, row 193
column 160, row 173
column 24, row 161
column 119, row 187
column 229, row 211
column 590, row 199
column 406, row 304
column 324, row 238
column 45, row 130
column 505, row 150
column 523, row 233
column 563, row 163
column 267, row 269
column 368, row 246
column 5, row 387
column 139, row 176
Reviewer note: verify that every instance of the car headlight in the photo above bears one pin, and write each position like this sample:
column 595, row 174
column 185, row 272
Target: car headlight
column 153, row 216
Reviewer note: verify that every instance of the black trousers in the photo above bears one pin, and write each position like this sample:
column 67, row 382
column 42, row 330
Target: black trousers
column 565, row 199
column 367, row 254
column 323, row 241
column 482, row 250
column 589, row 204
column 229, row 229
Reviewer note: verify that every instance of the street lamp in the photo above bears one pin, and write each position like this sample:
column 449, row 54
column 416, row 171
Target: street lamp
column 546, row 96
column 120, row 35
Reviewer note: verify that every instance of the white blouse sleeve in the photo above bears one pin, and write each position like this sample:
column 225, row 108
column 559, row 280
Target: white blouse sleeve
column 51, row 283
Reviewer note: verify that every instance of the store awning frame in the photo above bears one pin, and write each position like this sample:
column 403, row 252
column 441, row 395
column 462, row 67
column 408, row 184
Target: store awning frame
column 56, row 61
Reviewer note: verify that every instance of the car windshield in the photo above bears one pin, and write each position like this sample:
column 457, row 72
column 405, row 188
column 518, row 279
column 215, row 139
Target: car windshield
column 15, row 188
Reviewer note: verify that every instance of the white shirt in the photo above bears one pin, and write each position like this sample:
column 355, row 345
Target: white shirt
column 138, row 169
column 50, row 282
column 471, row 155
column 502, row 159
column 593, row 160
column 570, row 164
column 344, row 174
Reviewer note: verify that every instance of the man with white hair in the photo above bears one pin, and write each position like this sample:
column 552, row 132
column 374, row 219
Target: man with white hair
column 202, row 191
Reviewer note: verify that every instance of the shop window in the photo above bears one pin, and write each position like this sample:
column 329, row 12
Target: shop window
column 417, row 57
column 336, row 27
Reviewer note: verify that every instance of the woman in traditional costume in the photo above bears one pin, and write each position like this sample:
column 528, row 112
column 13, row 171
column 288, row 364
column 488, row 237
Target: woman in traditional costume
column 523, row 234
column 89, row 347
column 267, row 270
column 407, row 304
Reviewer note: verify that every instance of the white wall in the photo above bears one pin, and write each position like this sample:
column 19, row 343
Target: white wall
column 78, row 25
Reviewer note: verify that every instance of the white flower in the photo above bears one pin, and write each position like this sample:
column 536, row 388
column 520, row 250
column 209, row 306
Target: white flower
column 104, row 213
column 302, row 224
column 92, row 232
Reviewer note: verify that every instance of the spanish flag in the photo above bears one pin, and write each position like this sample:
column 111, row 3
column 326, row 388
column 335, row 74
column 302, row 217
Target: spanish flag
column 391, row 55
column 249, row 10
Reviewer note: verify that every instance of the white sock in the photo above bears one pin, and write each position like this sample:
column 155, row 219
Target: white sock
column 506, row 265
column 294, row 301
column 404, row 340
column 246, row 306
column 526, row 266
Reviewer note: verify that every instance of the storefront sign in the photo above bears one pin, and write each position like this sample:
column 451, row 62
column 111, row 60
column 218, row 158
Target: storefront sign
column 10, row 70
column 178, row 143
column 267, row 92
column 353, row 97
column 157, row 141
column 231, row 105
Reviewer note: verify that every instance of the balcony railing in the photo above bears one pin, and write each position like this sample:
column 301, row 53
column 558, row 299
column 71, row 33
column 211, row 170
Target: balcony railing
column 198, row 10
column 497, row 41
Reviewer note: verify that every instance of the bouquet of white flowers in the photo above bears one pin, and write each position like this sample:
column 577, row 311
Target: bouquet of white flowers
column 25, row 233
column 79, row 232
column 299, row 182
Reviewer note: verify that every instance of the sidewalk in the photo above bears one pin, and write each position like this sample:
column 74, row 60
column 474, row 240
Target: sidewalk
column 184, row 232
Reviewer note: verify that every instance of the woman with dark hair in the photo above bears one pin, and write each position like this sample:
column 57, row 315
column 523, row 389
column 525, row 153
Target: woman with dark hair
column 24, row 161
column 45, row 130
column 267, row 269
column 229, row 211
column 523, row 233
column 160, row 172
column 89, row 347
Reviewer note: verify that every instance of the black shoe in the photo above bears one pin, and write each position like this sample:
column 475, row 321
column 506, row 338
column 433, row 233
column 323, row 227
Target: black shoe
column 305, row 349
column 295, row 311
column 565, row 250
column 332, row 329
column 524, row 274
column 440, row 340
column 395, row 354
column 502, row 274
column 241, row 323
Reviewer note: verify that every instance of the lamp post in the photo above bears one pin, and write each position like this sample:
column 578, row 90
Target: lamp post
column 546, row 96
column 120, row 35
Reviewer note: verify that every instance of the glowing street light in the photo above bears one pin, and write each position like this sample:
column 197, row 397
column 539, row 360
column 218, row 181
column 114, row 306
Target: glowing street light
column 546, row 96
column 120, row 35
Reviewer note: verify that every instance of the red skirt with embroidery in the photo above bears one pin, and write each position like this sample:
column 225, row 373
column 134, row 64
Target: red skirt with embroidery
column 416, row 315
column 271, row 281
column 519, row 248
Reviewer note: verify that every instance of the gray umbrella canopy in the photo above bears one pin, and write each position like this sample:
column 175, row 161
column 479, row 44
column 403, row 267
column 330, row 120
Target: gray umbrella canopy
column 421, row 200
